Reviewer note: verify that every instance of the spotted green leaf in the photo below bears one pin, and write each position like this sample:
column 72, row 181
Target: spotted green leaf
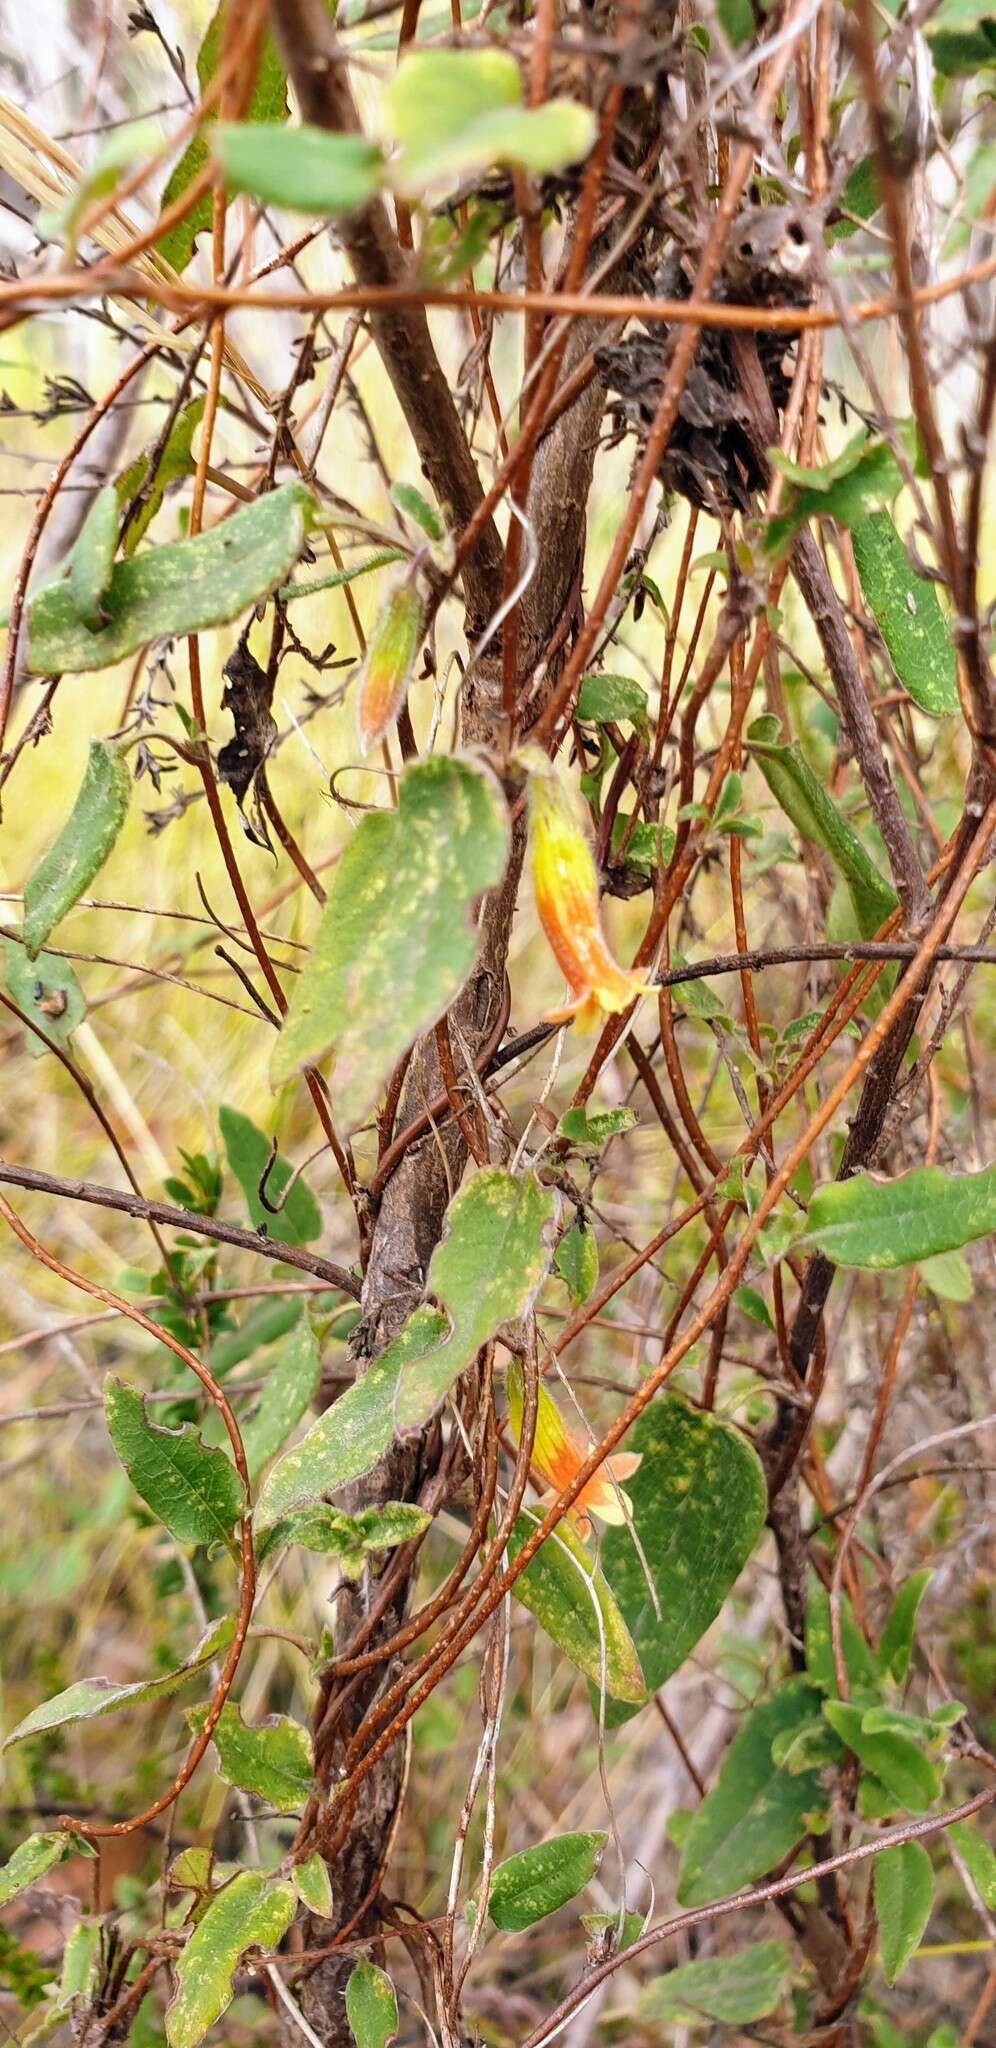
column 313, row 1885
column 47, row 990
column 30, row 1861
column 351, row 1538
column 268, row 103
column 371, row 2006
column 866, row 474
column 731, row 1990
column 698, row 1502
column 351, row 1435
column 396, row 941
column 184, row 587
column 195, row 1491
column 82, row 845
column 274, row 1761
column 576, row 1260
column 609, row 699
column 298, row 1219
column 569, row 1595
column 883, row 1223
column 89, row 1698
column 291, row 1383
column 484, row 1272
column 251, row 1912
column 904, row 1894
column 537, row 1881
column 908, row 615
column 757, row 1811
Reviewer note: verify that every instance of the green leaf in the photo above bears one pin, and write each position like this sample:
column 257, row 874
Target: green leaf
column 175, row 461
column 608, row 699
column 182, row 588
column 195, row 1491
column 92, row 559
column 290, row 1385
column 371, row 2006
column 698, row 1502
column 82, row 846
column 351, row 1538
column 305, row 169
column 299, row 1219
column 756, row 1812
column 908, row 615
column 753, row 1304
column 897, row 1762
column 274, row 1761
column 351, row 1435
column 733, row 1990
column 865, row 475
column 338, row 577
column 268, row 103
column 313, row 1885
column 395, row 943
column 115, row 154
column 949, row 1276
column 879, row 1224
column 596, row 1130
column 30, row 1861
column 251, row 1912
column 485, row 1272
column 805, row 801
column 536, row 1882
column 860, row 1663
column 576, row 1260
column 895, row 1644
column 459, row 111
column 737, row 20
column 572, row 1600
column 90, row 1698
column 978, row 1857
column 904, row 1894
column 860, row 196
column 417, row 508
column 47, row 990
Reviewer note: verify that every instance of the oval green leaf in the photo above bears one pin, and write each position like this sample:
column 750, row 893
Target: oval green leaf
column 731, row 1990
column 536, row 1882
column 573, row 1601
column 756, row 1812
column 82, row 846
column 91, row 1697
column 195, row 1491
column 93, row 558
column 47, row 990
column 904, row 1894
column 251, row 1912
column 305, row 169
column 879, row 1224
column 908, row 615
column 371, row 2006
column 274, row 1761
column 298, row 1219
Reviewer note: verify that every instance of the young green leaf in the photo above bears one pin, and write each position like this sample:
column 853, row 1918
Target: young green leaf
column 571, row 1599
column 457, row 111
column 805, row 801
column 904, row 1893
column 395, row 942
column 485, row 1272
column 698, row 1503
column 596, row 1130
column 291, row 1384
column 351, row 1435
column 899, row 1763
column 268, row 103
column 731, row 1990
column 47, row 990
column 92, row 559
column 576, row 1260
column 313, row 1885
column 879, row 1224
column 371, row 2006
column 860, row 1663
column 305, row 169
column 274, row 1761
column 252, row 1912
column 608, row 699
column 415, row 507
column 908, row 615
column 895, row 1644
column 115, row 154
column 979, row 1859
column 30, row 1861
column 536, row 1882
column 182, row 588
column 91, row 1698
column 864, row 475
column 756, row 1812
column 195, row 1491
column 298, row 1220
column 351, row 1538
column 82, row 846
column 949, row 1276
column 146, row 491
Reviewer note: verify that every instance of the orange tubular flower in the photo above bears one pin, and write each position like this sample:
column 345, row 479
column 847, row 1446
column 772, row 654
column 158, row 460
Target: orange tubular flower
column 566, row 890
column 557, row 1456
column 388, row 663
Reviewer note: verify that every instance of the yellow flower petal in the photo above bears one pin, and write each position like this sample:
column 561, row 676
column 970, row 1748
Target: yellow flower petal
column 566, row 890
column 557, row 1456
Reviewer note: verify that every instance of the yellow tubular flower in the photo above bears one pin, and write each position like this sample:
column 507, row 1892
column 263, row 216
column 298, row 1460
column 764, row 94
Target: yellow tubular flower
column 388, row 663
column 557, row 1456
column 566, row 890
